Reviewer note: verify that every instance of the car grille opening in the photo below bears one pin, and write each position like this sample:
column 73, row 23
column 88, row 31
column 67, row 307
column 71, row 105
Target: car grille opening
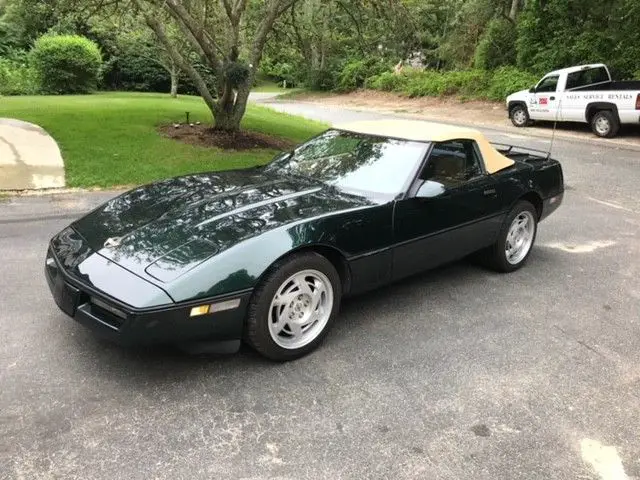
column 107, row 313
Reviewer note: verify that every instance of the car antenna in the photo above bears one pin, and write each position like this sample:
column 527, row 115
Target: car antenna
column 555, row 125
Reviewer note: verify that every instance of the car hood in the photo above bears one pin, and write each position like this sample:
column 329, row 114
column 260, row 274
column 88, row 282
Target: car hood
column 165, row 229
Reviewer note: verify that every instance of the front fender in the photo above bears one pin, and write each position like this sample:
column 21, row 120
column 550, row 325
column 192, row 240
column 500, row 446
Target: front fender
column 240, row 267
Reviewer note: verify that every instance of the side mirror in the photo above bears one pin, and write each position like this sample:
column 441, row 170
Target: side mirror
column 532, row 90
column 430, row 189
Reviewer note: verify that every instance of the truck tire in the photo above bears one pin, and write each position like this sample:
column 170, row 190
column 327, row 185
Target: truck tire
column 519, row 116
column 605, row 124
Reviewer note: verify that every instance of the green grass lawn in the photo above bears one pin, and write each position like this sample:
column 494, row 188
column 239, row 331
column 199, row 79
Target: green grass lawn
column 110, row 139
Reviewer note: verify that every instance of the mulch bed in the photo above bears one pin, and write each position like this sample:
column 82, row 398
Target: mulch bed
column 206, row 136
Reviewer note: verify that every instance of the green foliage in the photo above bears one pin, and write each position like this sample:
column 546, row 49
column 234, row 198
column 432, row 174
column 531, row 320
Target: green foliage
column 467, row 84
column 236, row 73
column 321, row 79
column 66, row 63
column 17, row 78
column 388, row 82
column 355, row 73
column 507, row 80
column 497, row 45
column 463, row 82
column 283, row 63
column 561, row 33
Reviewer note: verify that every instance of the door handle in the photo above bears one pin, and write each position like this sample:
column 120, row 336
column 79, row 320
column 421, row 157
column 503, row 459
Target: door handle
column 553, row 98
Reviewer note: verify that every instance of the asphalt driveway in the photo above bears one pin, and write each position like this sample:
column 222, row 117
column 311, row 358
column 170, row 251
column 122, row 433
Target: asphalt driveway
column 456, row 374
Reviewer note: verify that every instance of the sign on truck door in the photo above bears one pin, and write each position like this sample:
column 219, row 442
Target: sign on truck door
column 543, row 104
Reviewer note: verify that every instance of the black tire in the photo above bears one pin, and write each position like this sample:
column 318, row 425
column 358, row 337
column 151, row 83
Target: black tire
column 605, row 124
column 495, row 257
column 519, row 116
column 256, row 332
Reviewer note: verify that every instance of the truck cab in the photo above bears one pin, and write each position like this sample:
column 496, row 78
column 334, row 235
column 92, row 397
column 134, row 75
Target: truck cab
column 584, row 93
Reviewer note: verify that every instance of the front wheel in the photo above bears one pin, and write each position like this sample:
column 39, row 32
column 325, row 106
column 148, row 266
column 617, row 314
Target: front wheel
column 516, row 239
column 294, row 306
column 519, row 116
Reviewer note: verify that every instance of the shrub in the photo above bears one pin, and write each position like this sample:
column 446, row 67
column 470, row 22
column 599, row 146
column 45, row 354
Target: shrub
column 355, row 73
column 66, row 64
column 467, row 84
column 497, row 46
column 321, row 79
column 507, row 80
column 388, row 82
column 456, row 82
column 17, row 78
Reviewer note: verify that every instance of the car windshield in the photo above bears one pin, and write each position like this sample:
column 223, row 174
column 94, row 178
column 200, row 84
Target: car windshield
column 354, row 162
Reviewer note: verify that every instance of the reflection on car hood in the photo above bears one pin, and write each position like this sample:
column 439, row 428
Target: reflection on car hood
column 166, row 228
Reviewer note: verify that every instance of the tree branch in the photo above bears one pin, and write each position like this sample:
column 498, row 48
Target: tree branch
column 275, row 9
column 189, row 25
column 180, row 61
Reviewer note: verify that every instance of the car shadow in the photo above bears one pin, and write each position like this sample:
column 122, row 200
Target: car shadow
column 163, row 365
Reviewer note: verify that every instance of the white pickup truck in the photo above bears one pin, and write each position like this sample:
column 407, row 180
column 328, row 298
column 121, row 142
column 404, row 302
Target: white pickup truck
column 584, row 93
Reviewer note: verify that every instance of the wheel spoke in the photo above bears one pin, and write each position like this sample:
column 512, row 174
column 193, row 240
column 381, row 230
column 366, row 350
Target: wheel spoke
column 316, row 296
column 303, row 286
column 281, row 322
column 284, row 299
column 296, row 328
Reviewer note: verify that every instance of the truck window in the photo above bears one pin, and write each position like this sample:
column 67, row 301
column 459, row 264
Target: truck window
column 590, row 76
column 453, row 163
column 548, row 84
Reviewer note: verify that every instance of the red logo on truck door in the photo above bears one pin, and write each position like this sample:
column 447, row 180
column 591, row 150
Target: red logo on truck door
column 544, row 101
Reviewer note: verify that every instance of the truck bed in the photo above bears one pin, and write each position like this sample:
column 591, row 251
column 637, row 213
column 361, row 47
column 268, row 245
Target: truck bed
column 613, row 85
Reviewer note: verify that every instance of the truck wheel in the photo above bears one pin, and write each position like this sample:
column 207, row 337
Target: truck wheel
column 519, row 116
column 605, row 124
column 515, row 241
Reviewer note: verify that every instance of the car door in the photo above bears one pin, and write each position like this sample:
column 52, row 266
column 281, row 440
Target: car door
column 544, row 102
column 452, row 210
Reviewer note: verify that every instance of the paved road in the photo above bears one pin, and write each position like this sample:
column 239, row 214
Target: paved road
column 456, row 374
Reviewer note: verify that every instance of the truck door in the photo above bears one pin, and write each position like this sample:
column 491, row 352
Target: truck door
column 543, row 103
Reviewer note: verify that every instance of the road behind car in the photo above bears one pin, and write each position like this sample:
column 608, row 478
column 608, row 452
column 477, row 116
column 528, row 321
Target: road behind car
column 459, row 373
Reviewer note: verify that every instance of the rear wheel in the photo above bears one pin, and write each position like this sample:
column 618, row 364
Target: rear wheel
column 605, row 124
column 294, row 306
column 515, row 241
column 519, row 116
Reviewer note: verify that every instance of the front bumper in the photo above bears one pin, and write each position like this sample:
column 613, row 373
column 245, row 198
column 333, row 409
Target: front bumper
column 125, row 325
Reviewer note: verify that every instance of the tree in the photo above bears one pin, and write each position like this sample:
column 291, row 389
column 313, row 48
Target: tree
column 216, row 30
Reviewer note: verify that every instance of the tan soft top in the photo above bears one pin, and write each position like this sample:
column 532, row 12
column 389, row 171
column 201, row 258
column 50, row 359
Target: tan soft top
column 431, row 132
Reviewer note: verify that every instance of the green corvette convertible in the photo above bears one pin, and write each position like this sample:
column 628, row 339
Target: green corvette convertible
column 266, row 254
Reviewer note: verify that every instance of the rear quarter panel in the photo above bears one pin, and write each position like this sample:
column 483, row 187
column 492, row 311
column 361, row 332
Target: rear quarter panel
column 542, row 177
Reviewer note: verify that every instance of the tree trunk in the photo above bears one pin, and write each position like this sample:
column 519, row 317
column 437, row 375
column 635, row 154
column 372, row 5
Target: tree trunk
column 174, row 81
column 231, row 106
column 515, row 9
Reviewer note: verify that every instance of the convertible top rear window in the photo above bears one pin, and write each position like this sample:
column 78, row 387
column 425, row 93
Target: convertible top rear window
column 354, row 161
